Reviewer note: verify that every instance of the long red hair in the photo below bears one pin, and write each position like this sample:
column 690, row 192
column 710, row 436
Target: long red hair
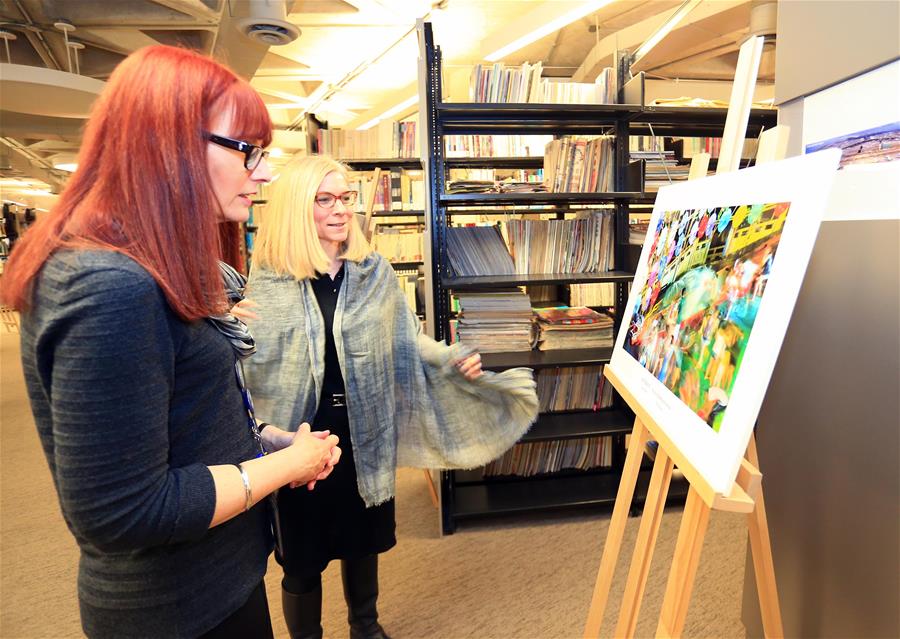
column 142, row 187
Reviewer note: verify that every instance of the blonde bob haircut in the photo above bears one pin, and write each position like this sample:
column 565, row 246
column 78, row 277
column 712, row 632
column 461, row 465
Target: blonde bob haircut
column 287, row 241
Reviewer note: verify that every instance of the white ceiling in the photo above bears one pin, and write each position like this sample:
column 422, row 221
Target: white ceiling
column 353, row 60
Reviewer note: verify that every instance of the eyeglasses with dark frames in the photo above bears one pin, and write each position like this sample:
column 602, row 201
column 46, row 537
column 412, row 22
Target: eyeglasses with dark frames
column 328, row 200
column 253, row 154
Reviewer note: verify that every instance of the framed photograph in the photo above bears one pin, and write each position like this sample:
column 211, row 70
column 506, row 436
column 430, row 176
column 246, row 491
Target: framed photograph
column 717, row 279
column 860, row 116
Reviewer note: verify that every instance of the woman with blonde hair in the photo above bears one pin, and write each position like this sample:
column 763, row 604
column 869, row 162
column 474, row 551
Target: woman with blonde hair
column 340, row 347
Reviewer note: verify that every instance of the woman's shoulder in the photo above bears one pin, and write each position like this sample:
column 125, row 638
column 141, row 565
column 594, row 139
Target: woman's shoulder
column 97, row 270
column 96, row 284
column 374, row 262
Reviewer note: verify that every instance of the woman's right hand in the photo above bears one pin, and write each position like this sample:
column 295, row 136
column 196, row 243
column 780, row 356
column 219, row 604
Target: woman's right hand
column 315, row 455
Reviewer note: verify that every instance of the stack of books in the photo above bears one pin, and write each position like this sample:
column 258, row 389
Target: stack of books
column 496, row 321
column 573, row 327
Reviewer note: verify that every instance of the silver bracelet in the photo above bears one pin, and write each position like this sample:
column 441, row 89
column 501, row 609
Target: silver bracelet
column 248, row 492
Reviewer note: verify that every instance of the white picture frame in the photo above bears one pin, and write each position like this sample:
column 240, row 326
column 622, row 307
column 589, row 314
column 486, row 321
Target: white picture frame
column 711, row 458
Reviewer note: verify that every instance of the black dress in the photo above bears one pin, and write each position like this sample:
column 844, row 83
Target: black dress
column 332, row 521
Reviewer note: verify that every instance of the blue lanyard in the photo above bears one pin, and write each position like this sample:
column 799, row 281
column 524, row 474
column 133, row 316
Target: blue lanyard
column 248, row 405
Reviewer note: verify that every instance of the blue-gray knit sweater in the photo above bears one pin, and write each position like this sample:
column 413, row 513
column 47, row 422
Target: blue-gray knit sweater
column 132, row 404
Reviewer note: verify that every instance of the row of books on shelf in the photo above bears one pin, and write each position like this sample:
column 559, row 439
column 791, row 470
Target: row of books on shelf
column 504, row 321
column 713, row 146
column 494, row 146
column 495, row 176
column 569, row 388
column 395, row 190
column 408, row 279
column 584, row 244
column 537, row 458
column 501, row 84
column 386, row 139
column 402, row 243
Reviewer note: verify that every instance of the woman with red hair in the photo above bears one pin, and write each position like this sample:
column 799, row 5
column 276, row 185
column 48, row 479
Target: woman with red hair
column 133, row 362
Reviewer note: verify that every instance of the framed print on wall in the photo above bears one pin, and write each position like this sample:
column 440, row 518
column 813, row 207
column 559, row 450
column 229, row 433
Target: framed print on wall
column 715, row 286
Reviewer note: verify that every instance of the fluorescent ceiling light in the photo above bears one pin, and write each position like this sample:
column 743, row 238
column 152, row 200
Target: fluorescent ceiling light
column 276, row 152
column 563, row 19
column 665, row 29
column 392, row 111
column 66, row 166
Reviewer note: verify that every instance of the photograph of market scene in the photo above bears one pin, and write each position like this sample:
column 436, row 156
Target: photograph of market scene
column 707, row 271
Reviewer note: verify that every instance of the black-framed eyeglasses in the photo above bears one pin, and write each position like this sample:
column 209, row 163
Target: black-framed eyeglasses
column 328, row 200
column 253, row 154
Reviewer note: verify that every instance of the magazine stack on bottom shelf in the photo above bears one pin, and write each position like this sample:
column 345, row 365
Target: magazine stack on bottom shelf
column 573, row 327
column 536, row 458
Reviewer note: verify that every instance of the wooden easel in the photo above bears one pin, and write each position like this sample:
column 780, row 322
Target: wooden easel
column 746, row 495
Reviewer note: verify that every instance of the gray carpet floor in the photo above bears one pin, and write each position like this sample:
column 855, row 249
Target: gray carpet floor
column 505, row 578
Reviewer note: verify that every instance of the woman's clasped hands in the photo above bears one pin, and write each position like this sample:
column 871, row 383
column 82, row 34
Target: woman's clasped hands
column 314, row 453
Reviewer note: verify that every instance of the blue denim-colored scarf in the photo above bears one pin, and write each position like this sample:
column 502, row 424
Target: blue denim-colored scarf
column 407, row 403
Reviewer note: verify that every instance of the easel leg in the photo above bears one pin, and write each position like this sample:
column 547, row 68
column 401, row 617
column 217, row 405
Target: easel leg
column 763, row 564
column 646, row 542
column 639, row 437
column 684, row 566
column 431, row 489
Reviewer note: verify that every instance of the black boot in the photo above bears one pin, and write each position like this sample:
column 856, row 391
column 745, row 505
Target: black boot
column 360, row 577
column 303, row 613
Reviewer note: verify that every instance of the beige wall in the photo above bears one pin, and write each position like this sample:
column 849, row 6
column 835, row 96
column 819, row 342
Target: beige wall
column 822, row 42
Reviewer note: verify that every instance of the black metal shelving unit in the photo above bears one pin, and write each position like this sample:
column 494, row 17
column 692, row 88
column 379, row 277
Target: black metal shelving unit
column 467, row 494
column 369, row 164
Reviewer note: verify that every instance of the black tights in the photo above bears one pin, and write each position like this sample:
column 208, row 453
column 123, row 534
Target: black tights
column 250, row 620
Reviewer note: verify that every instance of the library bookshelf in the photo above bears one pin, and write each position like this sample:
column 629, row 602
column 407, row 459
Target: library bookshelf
column 471, row 493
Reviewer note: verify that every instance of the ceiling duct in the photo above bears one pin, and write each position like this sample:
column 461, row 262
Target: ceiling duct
column 267, row 23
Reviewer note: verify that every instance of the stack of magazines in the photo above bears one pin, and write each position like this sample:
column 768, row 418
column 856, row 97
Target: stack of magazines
column 573, row 327
column 496, row 321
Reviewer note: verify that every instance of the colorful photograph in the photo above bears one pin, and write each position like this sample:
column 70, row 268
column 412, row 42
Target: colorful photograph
column 878, row 144
column 707, row 272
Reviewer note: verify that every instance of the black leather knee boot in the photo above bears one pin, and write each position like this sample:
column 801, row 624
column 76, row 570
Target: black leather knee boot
column 360, row 577
column 303, row 613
